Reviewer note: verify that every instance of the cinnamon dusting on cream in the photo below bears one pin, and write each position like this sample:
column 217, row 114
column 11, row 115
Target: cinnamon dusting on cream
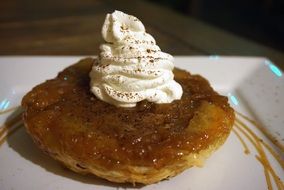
column 131, row 67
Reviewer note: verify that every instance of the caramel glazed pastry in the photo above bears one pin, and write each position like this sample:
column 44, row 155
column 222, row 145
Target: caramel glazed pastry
column 129, row 115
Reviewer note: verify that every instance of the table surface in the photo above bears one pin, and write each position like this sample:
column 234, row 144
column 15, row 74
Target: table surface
column 70, row 27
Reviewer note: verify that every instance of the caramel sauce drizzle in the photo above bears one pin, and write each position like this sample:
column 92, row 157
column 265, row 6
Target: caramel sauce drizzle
column 246, row 149
column 10, row 126
column 9, row 110
column 240, row 129
column 260, row 146
column 263, row 130
column 9, row 133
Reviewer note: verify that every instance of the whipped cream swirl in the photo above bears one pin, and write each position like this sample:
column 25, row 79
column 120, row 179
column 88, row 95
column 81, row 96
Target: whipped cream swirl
column 131, row 67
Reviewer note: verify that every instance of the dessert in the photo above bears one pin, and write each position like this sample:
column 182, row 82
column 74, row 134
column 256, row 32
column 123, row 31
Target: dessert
column 99, row 116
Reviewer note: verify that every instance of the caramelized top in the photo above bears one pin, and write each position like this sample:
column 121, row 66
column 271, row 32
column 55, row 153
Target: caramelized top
column 63, row 116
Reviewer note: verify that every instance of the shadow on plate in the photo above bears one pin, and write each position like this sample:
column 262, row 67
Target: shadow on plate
column 22, row 143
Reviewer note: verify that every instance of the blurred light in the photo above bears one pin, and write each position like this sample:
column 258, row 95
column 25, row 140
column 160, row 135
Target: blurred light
column 275, row 70
column 233, row 99
column 214, row 57
column 4, row 104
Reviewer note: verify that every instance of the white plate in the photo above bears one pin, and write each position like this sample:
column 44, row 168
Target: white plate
column 255, row 87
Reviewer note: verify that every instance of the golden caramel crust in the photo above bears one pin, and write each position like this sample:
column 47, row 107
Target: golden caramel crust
column 143, row 144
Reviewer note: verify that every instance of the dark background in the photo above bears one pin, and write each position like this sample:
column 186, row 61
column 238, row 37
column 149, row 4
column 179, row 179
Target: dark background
column 180, row 27
column 259, row 20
